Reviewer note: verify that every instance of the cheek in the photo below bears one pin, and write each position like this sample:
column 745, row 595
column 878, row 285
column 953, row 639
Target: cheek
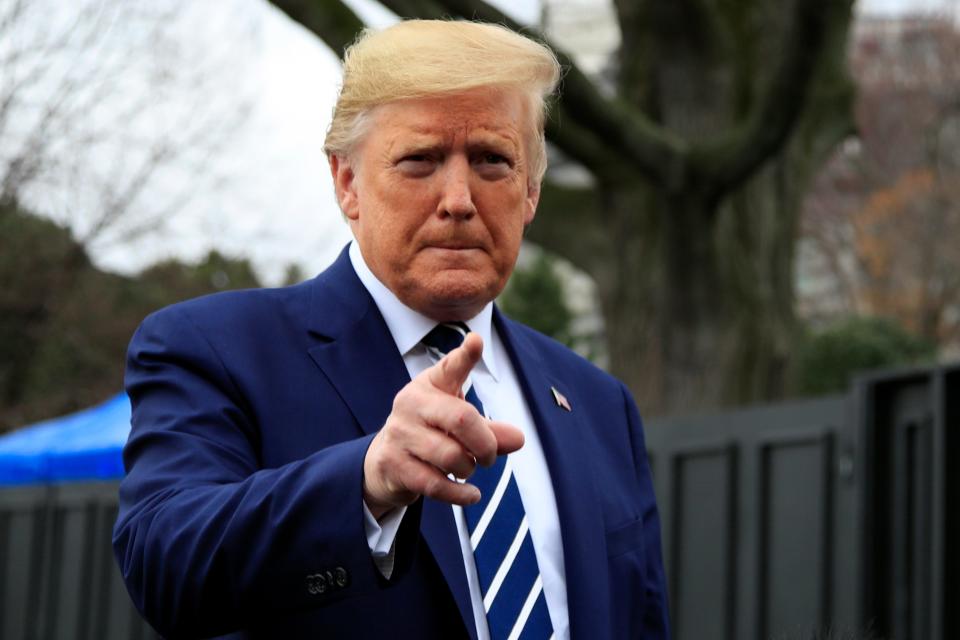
column 507, row 242
column 511, row 216
column 402, row 207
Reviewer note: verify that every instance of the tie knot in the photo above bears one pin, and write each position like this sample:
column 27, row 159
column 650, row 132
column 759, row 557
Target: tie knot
column 446, row 337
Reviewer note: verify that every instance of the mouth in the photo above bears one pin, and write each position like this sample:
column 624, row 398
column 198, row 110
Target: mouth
column 453, row 255
column 454, row 246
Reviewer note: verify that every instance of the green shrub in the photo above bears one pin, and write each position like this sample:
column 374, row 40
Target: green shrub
column 830, row 356
column 535, row 297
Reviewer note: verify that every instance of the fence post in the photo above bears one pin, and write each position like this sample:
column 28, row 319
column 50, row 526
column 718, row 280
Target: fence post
column 909, row 426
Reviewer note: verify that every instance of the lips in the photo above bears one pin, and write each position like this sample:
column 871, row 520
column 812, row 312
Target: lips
column 454, row 245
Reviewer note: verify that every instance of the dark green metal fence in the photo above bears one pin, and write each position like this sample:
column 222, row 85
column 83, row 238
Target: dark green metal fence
column 836, row 513
column 831, row 514
column 58, row 578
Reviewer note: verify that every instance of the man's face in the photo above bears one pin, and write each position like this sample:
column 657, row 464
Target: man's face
column 438, row 194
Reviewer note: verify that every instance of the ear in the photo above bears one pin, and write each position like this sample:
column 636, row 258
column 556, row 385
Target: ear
column 530, row 205
column 345, row 185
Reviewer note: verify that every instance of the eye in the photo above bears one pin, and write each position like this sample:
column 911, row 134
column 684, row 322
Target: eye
column 495, row 158
column 416, row 164
column 492, row 165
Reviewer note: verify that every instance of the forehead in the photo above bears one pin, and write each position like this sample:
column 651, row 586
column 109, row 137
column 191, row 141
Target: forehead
column 485, row 112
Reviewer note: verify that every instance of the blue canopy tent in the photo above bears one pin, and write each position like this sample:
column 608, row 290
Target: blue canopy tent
column 83, row 446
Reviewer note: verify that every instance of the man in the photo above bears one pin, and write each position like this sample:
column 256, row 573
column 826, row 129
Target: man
column 297, row 457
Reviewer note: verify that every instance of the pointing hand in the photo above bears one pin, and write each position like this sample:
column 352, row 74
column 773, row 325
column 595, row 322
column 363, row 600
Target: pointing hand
column 431, row 432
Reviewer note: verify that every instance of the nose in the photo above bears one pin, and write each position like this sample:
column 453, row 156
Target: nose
column 456, row 199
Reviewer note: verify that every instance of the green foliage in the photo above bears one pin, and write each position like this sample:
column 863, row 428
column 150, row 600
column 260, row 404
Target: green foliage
column 829, row 357
column 535, row 297
column 64, row 324
column 32, row 254
column 215, row 273
column 293, row 275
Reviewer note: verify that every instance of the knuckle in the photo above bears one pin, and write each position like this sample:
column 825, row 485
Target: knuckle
column 431, row 485
column 465, row 414
column 386, row 440
column 405, row 400
column 419, row 479
column 451, row 456
column 484, row 453
column 488, row 444
column 398, row 428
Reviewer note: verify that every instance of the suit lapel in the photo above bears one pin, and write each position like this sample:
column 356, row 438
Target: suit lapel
column 354, row 348
column 364, row 367
column 357, row 354
column 581, row 521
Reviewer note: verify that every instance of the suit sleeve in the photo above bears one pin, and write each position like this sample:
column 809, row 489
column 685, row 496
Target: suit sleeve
column 206, row 539
column 655, row 615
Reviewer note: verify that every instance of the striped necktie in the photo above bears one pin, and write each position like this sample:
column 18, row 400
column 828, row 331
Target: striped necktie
column 499, row 535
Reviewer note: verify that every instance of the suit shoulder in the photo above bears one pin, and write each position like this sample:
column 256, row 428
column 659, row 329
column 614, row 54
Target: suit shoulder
column 231, row 308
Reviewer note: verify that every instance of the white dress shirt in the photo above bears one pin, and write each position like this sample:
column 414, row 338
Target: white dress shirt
column 497, row 387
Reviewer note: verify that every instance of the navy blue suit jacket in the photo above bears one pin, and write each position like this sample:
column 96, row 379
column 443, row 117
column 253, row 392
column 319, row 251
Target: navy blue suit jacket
column 242, row 508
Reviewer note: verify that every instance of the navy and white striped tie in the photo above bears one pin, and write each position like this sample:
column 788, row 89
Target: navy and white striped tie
column 499, row 535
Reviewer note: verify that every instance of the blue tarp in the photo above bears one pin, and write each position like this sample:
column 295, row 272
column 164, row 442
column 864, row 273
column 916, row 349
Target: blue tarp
column 82, row 446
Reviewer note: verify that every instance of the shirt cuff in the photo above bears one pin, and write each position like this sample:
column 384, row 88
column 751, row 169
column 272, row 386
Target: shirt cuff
column 381, row 537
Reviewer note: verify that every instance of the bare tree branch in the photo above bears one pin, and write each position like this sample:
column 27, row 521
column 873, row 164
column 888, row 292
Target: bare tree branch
column 91, row 119
column 727, row 162
column 582, row 144
column 569, row 208
column 331, row 20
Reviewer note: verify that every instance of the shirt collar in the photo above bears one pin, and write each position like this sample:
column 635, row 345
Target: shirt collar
column 407, row 326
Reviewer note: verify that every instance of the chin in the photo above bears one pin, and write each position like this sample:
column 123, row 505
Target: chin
column 455, row 300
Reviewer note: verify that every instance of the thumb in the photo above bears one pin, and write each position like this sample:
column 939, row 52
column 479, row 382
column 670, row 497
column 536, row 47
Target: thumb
column 509, row 438
column 452, row 371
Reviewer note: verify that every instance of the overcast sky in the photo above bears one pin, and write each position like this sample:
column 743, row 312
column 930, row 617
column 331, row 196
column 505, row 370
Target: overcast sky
column 278, row 208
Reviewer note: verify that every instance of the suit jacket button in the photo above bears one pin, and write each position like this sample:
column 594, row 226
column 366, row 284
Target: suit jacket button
column 341, row 577
column 316, row 584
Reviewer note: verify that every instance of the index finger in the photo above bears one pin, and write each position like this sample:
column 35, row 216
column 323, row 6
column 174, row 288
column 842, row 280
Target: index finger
column 452, row 371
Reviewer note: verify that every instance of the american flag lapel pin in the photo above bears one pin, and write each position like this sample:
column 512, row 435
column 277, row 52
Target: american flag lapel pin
column 560, row 399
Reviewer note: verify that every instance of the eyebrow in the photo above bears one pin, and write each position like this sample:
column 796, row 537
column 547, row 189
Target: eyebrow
column 421, row 137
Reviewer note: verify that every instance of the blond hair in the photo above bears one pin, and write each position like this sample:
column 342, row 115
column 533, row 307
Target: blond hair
column 423, row 58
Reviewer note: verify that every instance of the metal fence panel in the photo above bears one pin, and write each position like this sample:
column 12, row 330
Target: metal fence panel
column 21, row 550
column 831, row 514
column 58, row 579
column 757, row 506
column 910, row 429
column 704, row 493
